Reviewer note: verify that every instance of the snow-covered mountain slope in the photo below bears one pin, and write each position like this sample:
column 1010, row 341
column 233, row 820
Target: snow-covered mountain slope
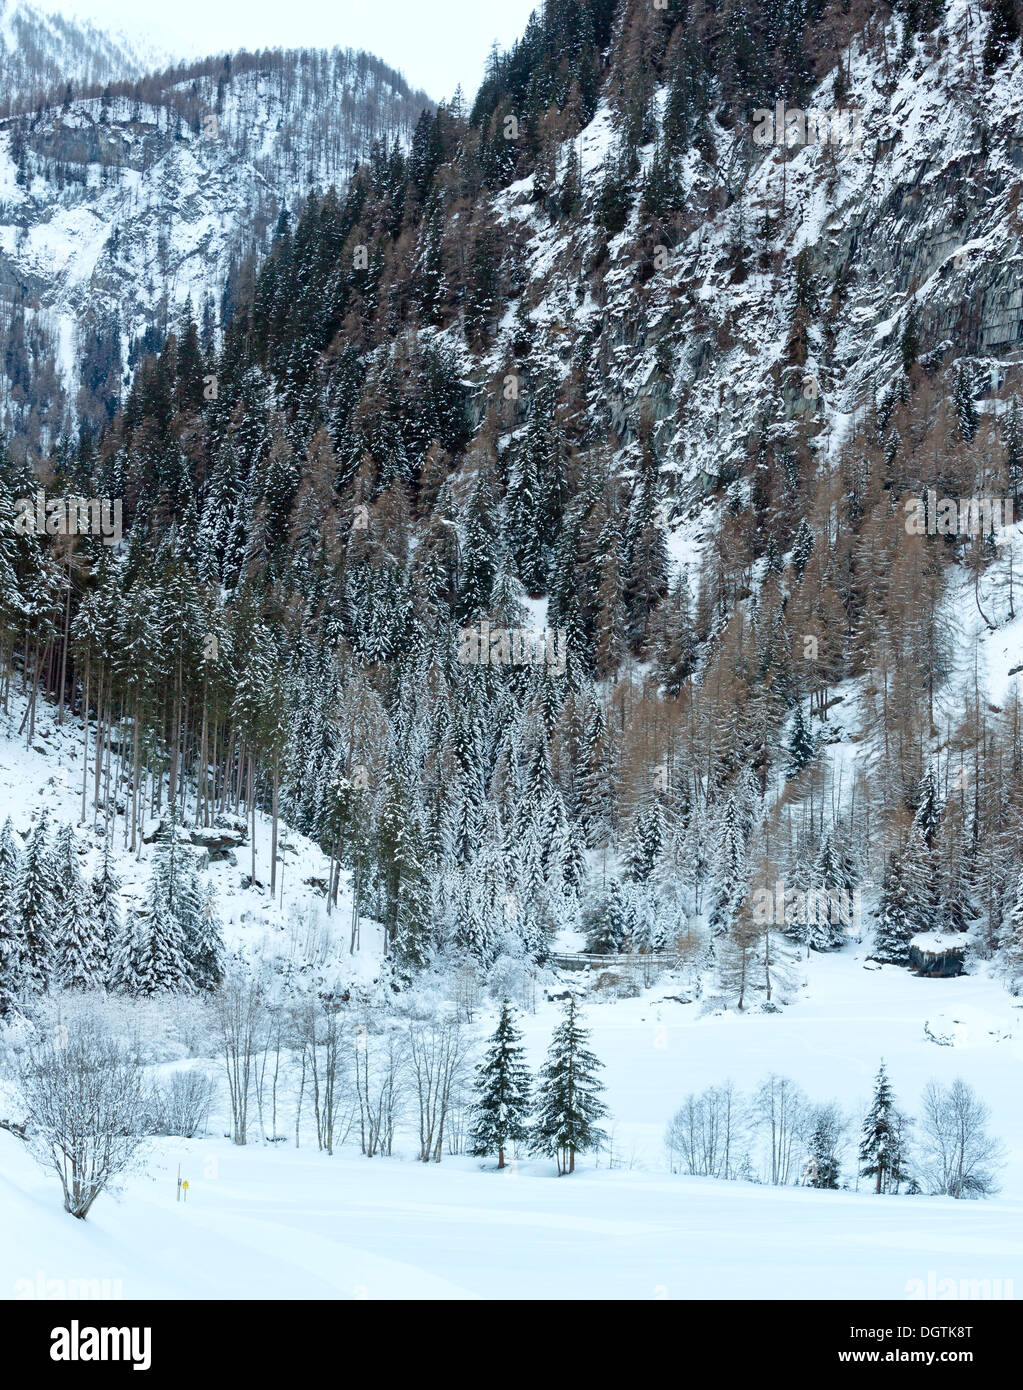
column 41, row 53
column 918, row 216
column 122, row 207
column 45, row 778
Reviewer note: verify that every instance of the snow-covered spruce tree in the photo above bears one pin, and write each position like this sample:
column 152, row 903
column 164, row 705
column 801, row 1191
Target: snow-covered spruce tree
column 802, row 547
column 930, row 807
column 609, row 920
column 964, row 404
column 1010, row 943
column 80, row 948
column 568, row 1095
column 10, row 927
column 206, row 948
column 502, row 1092
column 125, row 971
column 822, row 1169
column 161, row 965
column 646, row 843
column 571, row 855
column 728, row 876
column 923, row 862
column 175, row 894
column 35, row 906
column 882, row 1139
column 106, row 905
column 402, row 877
column 676, row 641
column 922, row 877
column 894, row 929
column 801, row 748
column 413, row 925
column 824, row 928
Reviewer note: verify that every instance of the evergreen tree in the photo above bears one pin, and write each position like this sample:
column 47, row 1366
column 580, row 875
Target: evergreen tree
column 126, row 950
column 403, row 877
column 106, row 905
column 676, row 640
column 1003, row 31
column 882, row 1148
column 610, row 920
column 730, row 868
column 80, row 952
column 502, row 1092
column 10, row 927
column 647, row 842
column 568, row 1095
column 822, row 1170
column 1010, row 945
column 35, row 906
column 160, row 965
column 802, row 547
column 964, row 405
column 824, row 925
column 801, row 746
column 646, row 556
column 910, row 343
column 170, row 934
column 920, row 872
column 206, row 949
column 927, row 819
column 894, row 929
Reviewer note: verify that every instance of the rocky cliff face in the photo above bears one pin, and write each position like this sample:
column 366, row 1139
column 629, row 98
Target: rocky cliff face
column 120, row 208
column 792, row 286
column 41, row 53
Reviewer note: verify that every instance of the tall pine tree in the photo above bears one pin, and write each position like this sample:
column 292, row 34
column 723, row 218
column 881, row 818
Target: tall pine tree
column 502, row 1092
column 569, row 1095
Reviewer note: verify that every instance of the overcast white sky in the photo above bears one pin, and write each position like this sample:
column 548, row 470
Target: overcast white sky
column 435, row 43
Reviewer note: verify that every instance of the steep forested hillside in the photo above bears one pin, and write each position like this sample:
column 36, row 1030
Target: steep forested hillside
column 590, row 360
column 124, row 199
column 41, row 53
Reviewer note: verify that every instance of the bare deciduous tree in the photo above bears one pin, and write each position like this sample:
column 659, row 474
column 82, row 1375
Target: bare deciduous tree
column 325, row 1051
column 781, row 1115
column 83, row 1093
column 705, row 1133
column 960, row 1156
column 438, row 1055
column 240, row 1012
column 380, row 1063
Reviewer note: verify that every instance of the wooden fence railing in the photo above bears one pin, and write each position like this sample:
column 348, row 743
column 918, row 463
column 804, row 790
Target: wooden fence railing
column 592, row 960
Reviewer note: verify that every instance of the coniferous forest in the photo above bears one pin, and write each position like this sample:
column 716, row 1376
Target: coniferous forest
column 540, row 614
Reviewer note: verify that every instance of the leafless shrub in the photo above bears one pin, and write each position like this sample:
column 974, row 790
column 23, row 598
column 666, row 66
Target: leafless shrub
column 82, row 1090
column 181, row 1104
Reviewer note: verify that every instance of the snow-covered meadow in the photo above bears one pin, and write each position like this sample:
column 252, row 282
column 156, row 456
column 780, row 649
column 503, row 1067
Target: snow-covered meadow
column 270, row 1221
column 262, row 1223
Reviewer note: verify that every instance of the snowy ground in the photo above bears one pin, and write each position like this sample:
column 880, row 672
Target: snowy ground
column 280, row 1224
column 272, row 1222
